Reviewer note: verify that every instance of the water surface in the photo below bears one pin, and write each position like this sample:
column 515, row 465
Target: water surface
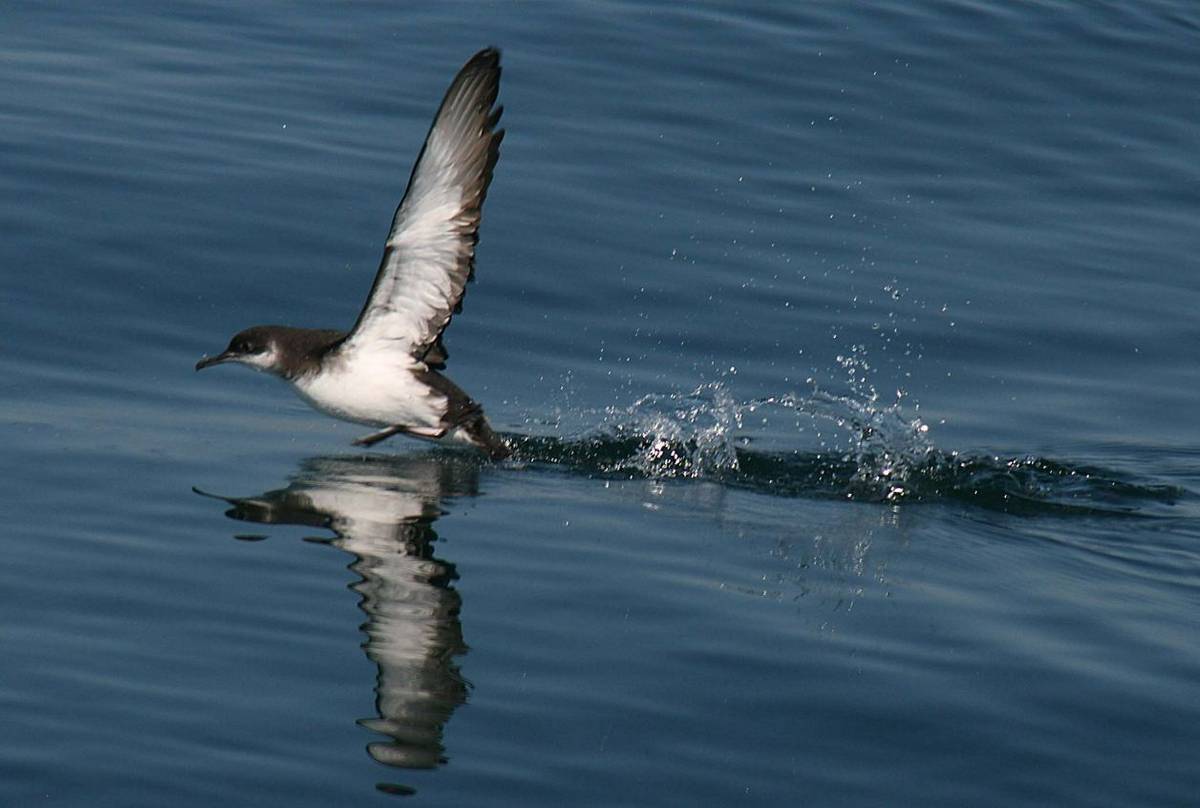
column 848, row 354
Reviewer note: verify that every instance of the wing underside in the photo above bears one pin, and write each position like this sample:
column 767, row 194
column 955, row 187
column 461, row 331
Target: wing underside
column 430, row 252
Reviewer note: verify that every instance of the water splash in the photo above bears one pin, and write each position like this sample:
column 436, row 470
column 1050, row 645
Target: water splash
column 679, row 435
column 850, row 446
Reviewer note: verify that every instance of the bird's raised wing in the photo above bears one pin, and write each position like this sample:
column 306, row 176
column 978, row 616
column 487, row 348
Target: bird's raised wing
column 430, row 251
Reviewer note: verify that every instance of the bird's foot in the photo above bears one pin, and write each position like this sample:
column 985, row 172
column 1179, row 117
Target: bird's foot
column 428, row 433
column 376, row 437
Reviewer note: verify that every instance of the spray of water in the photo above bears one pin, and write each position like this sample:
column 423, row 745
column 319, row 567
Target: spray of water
column 850, row 445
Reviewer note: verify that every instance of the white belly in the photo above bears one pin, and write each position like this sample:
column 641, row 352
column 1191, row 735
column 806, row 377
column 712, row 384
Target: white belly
column 374, row 389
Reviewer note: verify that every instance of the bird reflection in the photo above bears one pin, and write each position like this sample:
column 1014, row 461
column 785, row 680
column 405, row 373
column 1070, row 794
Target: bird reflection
column 381, row 510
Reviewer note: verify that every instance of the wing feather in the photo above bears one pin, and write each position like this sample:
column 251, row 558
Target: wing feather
column 430, row 252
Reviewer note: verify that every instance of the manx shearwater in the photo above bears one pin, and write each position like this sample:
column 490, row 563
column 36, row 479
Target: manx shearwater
column 386, row 371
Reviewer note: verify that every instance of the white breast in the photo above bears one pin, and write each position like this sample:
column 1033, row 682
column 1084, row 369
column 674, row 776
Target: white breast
column 376, row 388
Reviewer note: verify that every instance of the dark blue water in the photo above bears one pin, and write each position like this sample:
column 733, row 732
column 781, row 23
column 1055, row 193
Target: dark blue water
column 849, row 354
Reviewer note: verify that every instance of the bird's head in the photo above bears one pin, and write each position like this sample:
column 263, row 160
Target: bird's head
column 256, row 347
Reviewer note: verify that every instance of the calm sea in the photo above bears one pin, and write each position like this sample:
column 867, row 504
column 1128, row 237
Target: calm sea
column 849, row 350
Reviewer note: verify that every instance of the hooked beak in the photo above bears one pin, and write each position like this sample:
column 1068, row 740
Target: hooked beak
column 209, row 361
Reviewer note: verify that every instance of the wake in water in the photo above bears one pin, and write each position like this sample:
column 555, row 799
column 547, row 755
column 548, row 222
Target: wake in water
column 851, row 447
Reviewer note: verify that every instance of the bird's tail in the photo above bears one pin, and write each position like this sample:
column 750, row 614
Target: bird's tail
column 479, row 433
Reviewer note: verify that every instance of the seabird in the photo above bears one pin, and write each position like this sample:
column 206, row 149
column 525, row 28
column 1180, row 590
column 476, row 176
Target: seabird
column 385, row 372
